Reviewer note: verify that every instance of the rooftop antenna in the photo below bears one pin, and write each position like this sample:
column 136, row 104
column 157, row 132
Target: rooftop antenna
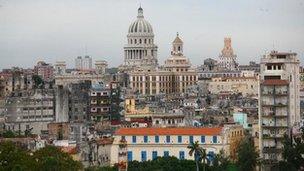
column 85, row 50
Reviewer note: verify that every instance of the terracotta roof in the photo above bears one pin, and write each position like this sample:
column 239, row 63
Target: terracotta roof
column 104, row 141
column 169, row 131
column 69, row 150
column 275, row 82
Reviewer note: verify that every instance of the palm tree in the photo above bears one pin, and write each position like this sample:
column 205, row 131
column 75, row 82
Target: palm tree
column 199, row 154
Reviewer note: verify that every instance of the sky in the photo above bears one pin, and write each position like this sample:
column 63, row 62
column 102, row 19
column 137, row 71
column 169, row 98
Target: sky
column 56, row 30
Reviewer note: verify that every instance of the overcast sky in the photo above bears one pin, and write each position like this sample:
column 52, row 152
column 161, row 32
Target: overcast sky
column 52, row 30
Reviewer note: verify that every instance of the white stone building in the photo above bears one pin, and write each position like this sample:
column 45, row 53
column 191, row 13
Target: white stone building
column 279, row 104
column 148, row 143
column 83, row 63
column 140, row 49
column 174, row 77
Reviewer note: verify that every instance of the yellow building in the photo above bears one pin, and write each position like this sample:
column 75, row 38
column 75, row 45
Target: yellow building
column 131, row 112
column 245, row 85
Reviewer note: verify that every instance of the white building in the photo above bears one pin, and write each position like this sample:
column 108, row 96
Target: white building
column 279, row 104
column 148, row 143
column 101, row 66
column 140, row 49
column 83, row 63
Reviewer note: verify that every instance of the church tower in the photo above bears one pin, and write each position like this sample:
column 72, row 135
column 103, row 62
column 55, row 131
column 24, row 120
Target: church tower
column 227, row 60
column 177, row 46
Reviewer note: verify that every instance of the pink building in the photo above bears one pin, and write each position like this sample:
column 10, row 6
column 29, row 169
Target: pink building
column 44, row 70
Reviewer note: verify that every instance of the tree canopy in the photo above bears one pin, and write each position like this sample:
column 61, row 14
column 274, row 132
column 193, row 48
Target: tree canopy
column 49, row 158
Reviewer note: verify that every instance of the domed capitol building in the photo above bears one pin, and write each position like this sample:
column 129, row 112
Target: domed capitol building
column 140, row 62
column 140, row 50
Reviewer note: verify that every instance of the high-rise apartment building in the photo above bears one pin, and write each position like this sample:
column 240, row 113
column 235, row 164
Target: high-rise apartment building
column 83, row 63
column 279, row 102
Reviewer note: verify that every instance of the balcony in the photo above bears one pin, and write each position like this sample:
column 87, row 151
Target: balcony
column 277, row 125
column 273, row 136
column 281, row 93
column 274, row 104
column 272, row 150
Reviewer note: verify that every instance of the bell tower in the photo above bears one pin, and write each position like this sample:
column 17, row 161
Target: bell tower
column 177, row 46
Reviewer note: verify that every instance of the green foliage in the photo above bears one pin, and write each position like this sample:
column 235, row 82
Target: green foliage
column 50, row 158
column 38, row 81
column 8, row 134
column 247, row 156
column 293, row 152
column 221, row 162
column 199, row 154
column 106, row 168
column 163, row 164
column 14, row 158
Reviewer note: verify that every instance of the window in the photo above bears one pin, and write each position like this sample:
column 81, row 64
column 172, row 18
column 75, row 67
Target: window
column 156, row 139
column 166, row 153
column 154, row 155
column 210, row 156
column 181, row 155
column 143, row 156
column 168, row 139
column 214, row 139
column 268, row 67
column 133, row 139
column 190, row 139
column 179, row 139
column 203, row 139
column 130, row 156
column 145, row 139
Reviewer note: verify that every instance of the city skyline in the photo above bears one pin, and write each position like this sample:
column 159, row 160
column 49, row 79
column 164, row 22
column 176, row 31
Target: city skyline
column 33, row 31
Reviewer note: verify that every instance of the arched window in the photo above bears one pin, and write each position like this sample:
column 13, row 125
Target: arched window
column 139, row 41
column 135, row 41
column 131, row 41
column 179, row 48
column 145, row 41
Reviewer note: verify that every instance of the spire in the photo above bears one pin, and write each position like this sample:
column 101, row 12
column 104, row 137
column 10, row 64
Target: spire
column 177, row 39
column 140, row 12
column 227, row 50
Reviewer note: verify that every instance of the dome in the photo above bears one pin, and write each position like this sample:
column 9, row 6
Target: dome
column 140, row 25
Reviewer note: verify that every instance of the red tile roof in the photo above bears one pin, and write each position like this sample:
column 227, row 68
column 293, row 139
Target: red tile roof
column 275, row 82
column 104, row 141
column 69, row 150
column 169, row 131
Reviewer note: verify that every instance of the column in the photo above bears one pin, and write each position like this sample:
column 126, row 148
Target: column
column 144, row 84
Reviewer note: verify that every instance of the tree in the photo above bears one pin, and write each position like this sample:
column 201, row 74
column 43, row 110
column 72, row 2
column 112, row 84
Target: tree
column 220, row 161
column 199, row 153
column 8, row 134
column 247, row 156
column 293, row 152
column 51, row 158
column 38, row 81
column 13, row 157
column 163, row 164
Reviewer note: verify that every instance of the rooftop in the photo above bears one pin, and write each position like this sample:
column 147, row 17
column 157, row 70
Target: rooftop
column 169, row 131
